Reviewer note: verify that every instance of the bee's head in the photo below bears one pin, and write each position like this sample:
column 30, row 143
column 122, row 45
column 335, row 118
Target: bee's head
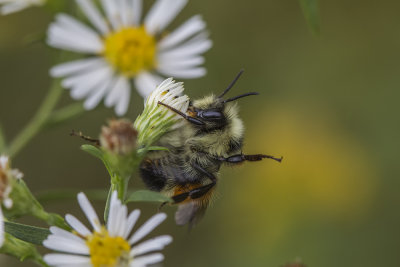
column 213, row 110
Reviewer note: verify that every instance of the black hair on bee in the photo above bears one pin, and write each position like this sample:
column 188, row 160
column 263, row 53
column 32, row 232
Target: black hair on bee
column 211, row 136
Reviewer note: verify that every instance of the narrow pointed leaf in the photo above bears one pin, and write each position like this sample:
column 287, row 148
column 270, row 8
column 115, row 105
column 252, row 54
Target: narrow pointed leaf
column 27, row 233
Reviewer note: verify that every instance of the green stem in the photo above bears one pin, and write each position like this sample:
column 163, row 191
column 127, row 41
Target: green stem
column 40, row 262
column 38, row 121
column 119, row 184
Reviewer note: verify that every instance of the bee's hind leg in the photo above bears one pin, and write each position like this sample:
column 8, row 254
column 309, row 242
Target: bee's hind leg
column 241, row 158
column 199, row 191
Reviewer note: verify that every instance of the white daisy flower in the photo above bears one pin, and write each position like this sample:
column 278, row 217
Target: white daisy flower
column 125, row 49
column 11, row 6
column 110, row 245
column 156, row 119
column 6, row 173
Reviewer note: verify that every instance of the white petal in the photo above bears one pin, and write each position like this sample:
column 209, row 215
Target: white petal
column 197, row 45
column 183, row 73
column 146, row 83
column 112, row 221
column 146, row 228
column 82, row 76
column 1, row 228
column 192, row 26
column 157, row 243
column 180, row 63
column 123, row 103
column 95, row 97
column 124, row 11
column 65, row 234
column 90, row 213
column 93, row 80
column 65, row 244
column 57, row 259
column 76, row 66
column 161, row 14
column 136, row 12
column 61, row 37
column 72, row 24
column 130, row 222
column 77, row 225
column 93, row 15
column 147, row 260
column 116, row 91
column 111, row 9
column 13, row 7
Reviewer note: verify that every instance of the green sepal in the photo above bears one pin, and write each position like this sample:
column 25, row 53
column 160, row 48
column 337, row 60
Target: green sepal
column 27, row 233
column 144, row 150
column 20, row 249
column 148, row 196
column 311, row 13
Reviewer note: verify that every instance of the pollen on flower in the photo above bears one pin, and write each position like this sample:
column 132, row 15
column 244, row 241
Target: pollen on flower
column 130, row 50
column 108, row 251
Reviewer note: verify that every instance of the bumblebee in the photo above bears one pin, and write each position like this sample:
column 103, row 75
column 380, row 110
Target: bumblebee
column 211, row 136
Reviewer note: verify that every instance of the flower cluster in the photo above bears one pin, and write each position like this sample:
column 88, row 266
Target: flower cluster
column 106, row 245
column 125, row 48
column 6, row 176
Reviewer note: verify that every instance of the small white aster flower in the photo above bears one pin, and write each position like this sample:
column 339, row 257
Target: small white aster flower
column 157, row 119
column 110, row 245
column 125, row 49
column 6, row 173
column 11, row 6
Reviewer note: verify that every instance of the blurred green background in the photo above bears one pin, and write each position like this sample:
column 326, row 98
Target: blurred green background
column 328, row 104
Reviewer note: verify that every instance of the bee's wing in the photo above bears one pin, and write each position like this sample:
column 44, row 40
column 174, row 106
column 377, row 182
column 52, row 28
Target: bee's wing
column 189, row 213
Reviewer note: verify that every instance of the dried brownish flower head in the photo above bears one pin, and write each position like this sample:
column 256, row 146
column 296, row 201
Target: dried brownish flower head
column 119, row 137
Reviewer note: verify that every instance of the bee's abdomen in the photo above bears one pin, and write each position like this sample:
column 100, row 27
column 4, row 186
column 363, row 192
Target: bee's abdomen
column 158, row 173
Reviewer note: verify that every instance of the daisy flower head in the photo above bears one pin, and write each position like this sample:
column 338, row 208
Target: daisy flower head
column 11, row 6
column 126, row 48
column 6, row 173
column 156, row 119
column 111, row 245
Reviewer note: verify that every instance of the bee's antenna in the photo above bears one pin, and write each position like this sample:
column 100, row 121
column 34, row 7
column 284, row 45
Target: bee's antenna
column 240, row 96
column 232, row 83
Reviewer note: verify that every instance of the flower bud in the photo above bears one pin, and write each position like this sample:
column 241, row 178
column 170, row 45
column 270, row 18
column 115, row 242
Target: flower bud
column 119, row 137
column 157, row 119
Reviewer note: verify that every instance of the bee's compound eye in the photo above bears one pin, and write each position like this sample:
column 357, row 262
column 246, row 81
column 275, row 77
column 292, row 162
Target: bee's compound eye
column 212, row 115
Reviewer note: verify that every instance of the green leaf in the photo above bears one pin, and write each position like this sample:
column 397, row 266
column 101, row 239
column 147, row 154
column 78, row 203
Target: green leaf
column 147, row 196
column 30, row 234
column 311, row 13
column 94, row 151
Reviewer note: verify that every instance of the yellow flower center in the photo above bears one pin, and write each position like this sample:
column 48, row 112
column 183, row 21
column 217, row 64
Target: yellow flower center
column 130, row 50
column 107, row 251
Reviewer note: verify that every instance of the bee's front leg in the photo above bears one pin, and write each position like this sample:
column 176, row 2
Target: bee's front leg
column 241, row 158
